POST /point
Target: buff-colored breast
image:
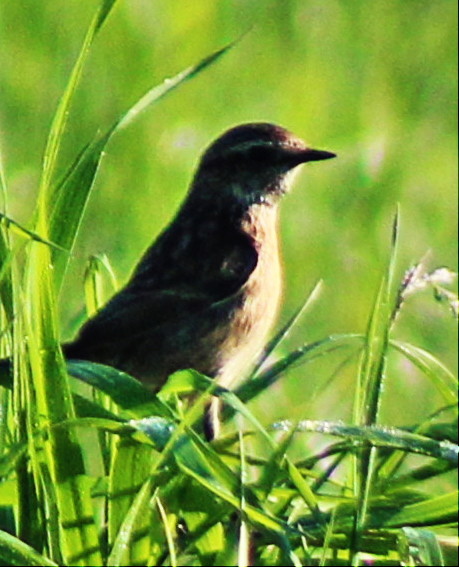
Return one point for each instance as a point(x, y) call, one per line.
point(252, 321)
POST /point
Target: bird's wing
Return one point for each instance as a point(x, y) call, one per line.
point(151, 304)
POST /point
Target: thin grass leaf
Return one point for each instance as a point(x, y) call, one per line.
point(156, 93)
point(243, 551)
point(327, 540)
point(271, 469)
point(304, 490)
point(120, 554)
point(60, 118)
point(443, 432)
point(372, 365)
point(442, 378)
point(252, 388)
point(430, 471)
point(168, 532)
point(385, 437)
point(24, 232)
point(129, 471)
point(6, 277)
point(96, 267)
point(197, 460)
point(419, 547)
point(370, 383)
point(285, 330)
point(255, 515)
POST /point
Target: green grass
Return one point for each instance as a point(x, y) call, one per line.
point(96, 470)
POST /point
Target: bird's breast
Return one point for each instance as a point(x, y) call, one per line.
point(256, 304)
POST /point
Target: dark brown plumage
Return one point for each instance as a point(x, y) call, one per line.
point(206, 293)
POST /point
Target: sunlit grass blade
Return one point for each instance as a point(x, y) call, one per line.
point(437, 510)
point(125, 535)
point(60, 451)
point(63, 460)
point(370, 383)
point(17, 228)
point(130, 468)
point(252, 388)
point(385, 437)
point(96, 268)
point(168, 530)
point(60, 118)
point(14, 552)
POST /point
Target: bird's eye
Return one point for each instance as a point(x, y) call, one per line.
point(258, 154)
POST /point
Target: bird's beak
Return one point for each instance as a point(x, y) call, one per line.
point(315, 155)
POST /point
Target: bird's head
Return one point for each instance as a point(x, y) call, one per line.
point(250, 163)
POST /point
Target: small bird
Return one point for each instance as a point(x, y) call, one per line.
point(206, 293)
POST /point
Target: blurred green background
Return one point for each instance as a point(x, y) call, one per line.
point(375, 81)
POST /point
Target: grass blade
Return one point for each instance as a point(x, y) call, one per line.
point(60, 117)
point(13, 552)
point(442, 378)
point(285, 330)
point(385, 437)
point(419, 547)
point(370, 383)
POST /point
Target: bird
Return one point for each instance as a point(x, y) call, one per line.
point(206, 293)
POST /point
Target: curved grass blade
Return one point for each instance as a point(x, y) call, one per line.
point(442, 377)
point(71, 194)
point(386, 437)
point(155, 94)
point(97, 268)
point(13, 552)
point(252, 388)
point(127, 392)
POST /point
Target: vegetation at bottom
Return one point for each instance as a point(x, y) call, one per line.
point(97, 470)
